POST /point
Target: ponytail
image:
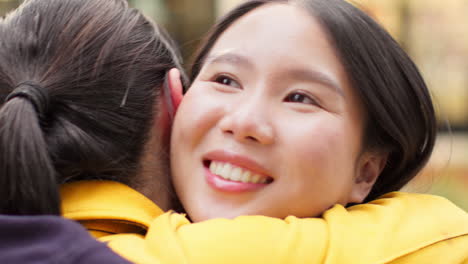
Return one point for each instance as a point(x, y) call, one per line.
point(103, 65)
point(28, 184)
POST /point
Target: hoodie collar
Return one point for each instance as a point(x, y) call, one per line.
point(108, 206)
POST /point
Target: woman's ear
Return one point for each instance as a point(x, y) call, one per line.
point(168, 103)
point(172, 93)
point(175, 87)
point(370, 165)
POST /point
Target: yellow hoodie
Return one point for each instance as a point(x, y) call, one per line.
point(397, 228)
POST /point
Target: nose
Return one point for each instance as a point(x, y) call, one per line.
point(248, 122)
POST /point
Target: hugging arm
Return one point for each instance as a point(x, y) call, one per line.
point(398, 228)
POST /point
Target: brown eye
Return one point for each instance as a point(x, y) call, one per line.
point(225, 80)
point(299, 98)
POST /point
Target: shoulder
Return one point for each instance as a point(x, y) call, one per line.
point(50, 239)
point(399, 226)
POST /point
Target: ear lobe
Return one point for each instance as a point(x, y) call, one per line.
point(175, 87)
point(370, 167)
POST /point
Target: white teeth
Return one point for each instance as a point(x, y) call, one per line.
point(213, 166)
point(226, 170)
point(246, 176)
point(234, 173)
point(256, 178)
point(219, 168)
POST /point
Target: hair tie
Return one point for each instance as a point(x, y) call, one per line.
point(33, 92)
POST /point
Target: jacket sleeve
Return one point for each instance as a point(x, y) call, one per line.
point(50, 239)
point(398, 228)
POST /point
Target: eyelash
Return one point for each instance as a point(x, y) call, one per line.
point(219, 79)
point(289, 98)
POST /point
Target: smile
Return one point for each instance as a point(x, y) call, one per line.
point(231, 172)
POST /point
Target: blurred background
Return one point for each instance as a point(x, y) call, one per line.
point(433, 32)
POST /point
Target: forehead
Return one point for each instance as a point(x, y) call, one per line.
point(279, 28)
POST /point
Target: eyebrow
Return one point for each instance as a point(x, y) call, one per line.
point(229, 58)
point(316, 77)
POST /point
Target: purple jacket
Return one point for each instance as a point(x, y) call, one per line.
point(46, 239)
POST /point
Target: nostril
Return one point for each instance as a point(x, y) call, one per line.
point(251, 138)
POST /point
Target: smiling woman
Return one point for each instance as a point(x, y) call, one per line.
point(280, 108)
point(297, 121)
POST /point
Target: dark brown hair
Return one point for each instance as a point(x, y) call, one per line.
point(398, 105)
point(101, 65)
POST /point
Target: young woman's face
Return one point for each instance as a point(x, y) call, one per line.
point(271, 125)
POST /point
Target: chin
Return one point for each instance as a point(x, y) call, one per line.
point(207, 215)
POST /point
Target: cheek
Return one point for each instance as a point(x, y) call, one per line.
point(197, 114)
point(322, 162)
point(316, 137)
point(320, 147)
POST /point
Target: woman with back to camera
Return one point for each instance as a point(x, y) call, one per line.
point(81, 99)
point(305, 234)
